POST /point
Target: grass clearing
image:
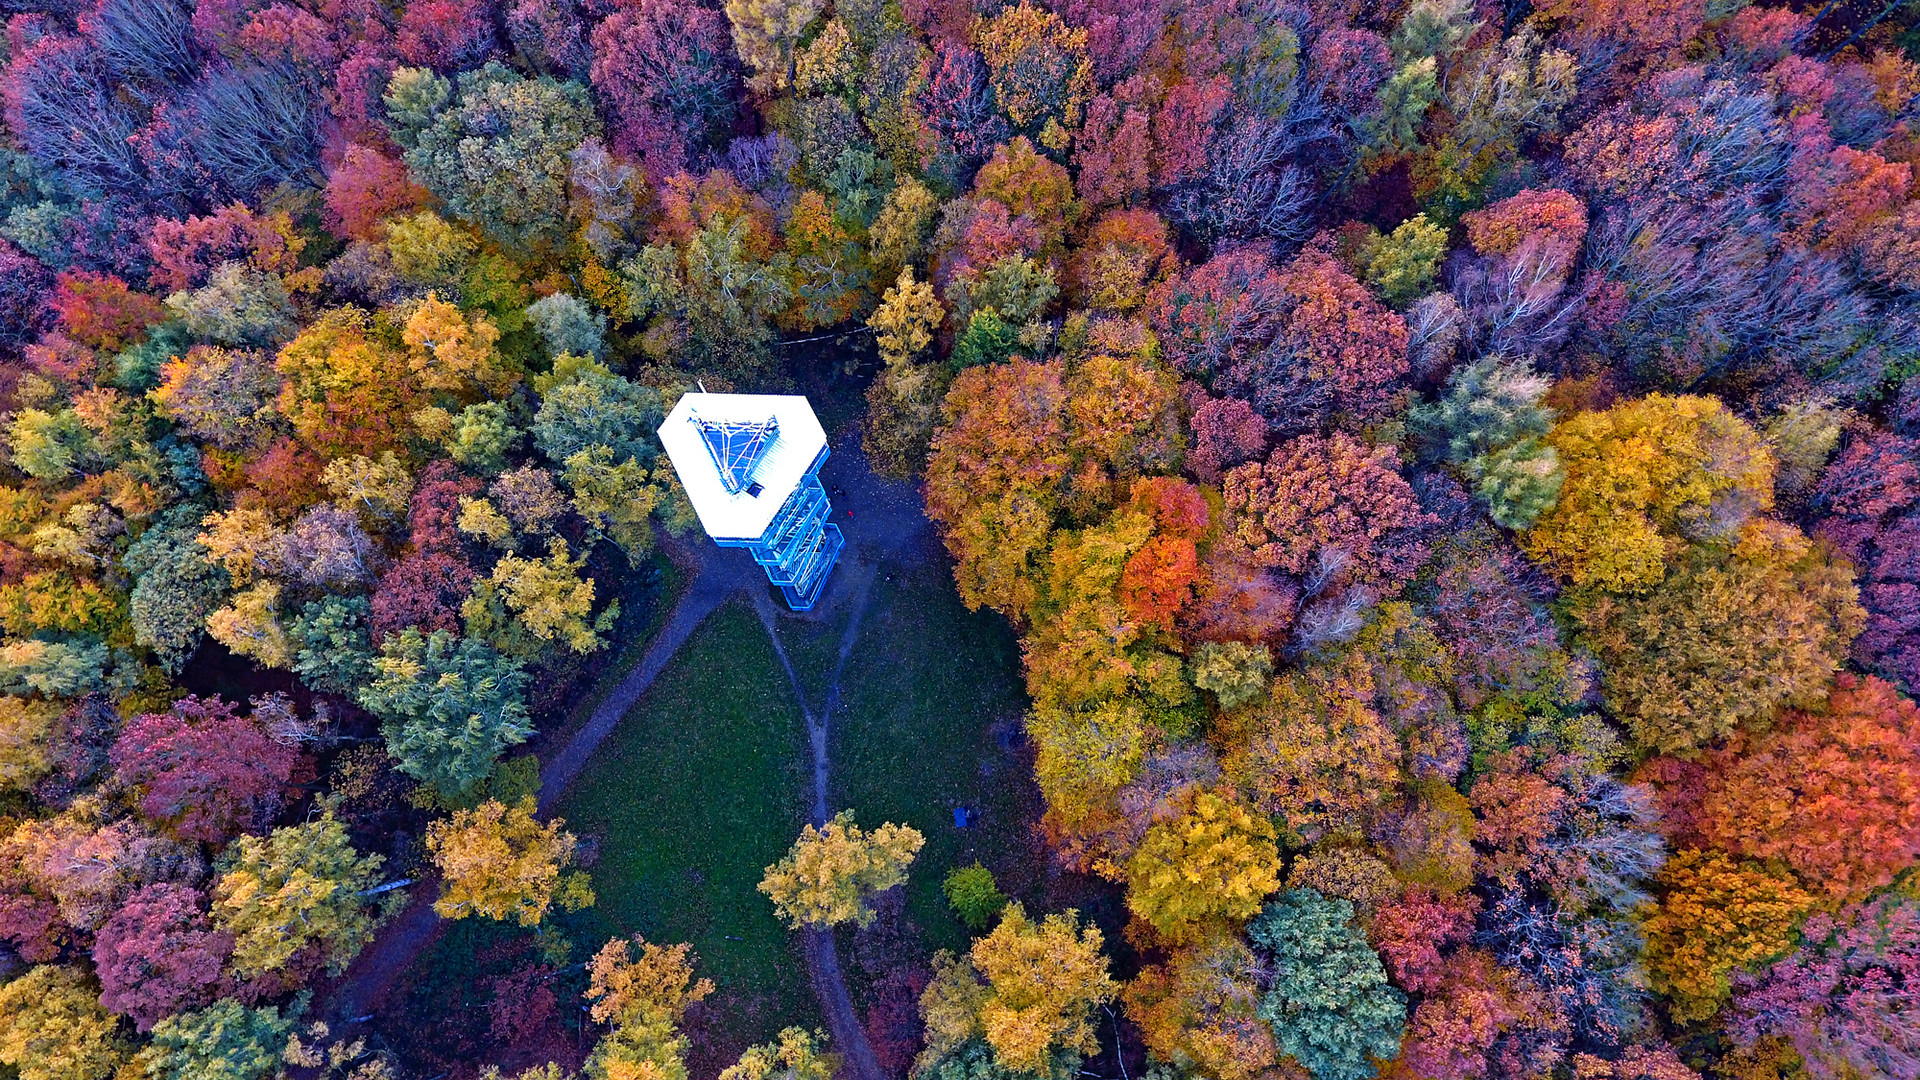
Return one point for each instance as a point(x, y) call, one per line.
point(651, 592)
point(691, 796)
point(924, 689)
point(689, 799)
point(707, 781)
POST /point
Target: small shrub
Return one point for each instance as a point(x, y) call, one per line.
point(974, 896)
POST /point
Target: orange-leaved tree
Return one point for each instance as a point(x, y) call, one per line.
point(496, 860)
point(1716, 916)
point(1204, 1004)
point(991, 481)
point(645, 998)
point(342, 389)
point(1832, 791)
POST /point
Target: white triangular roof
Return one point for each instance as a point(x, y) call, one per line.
point(725, 515)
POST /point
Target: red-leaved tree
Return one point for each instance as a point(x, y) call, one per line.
point(1834, 792)
point(1844, 1000)
point(959, 106)
point(1871, 496)
point(1455, 1025)
point(433, 511)
point(1344, 350)
point(1303, 344)
point(1159, 578)
point(1183, 127)
point(364, 188)
point(1113, 153)
point(1414, 933)
point(666, 75)
point(100, 311)
point(449, 35)
point(159, 955)
point(186, 251)
point(203, 768)
point(1226, 432)
point(1319, 503)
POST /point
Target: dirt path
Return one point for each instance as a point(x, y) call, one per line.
point(881, 519)
point(718, 579)
point(379, 966)
point(823, 956)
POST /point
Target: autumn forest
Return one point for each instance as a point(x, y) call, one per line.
point(1448, 472)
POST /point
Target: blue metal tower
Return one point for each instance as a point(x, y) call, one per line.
point(750, 464)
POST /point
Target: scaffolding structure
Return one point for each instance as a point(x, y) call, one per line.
point(737, 447)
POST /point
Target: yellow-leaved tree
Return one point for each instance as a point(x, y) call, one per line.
point(426, 248)
point(378, 488)
point(1717, 917)
point(53, 1028)
point(1644, 480)
point(250, 625)
point(1726, 639)
point(1028, 991)
point(645, 998)
point(546, 598)
point(238, 540)
point(904, 402)
point(795, 1055)
point(764, 33)
point(899, 232)
point(826, 878)
point(453, 351)
point(904, 322)
point(622, 499)
point(1084, 758)
point(300, 891)
point(1211, 865)
point(496, 860)
point(26, 736)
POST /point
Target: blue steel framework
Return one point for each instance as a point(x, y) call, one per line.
point(798, 549)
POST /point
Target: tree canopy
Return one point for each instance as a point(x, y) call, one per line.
point(1330, 1004)
point(829, 875)
point(1451, 471)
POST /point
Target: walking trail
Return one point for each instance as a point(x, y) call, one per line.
point(378, 967)
point(881, 519)
point(823, 957)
